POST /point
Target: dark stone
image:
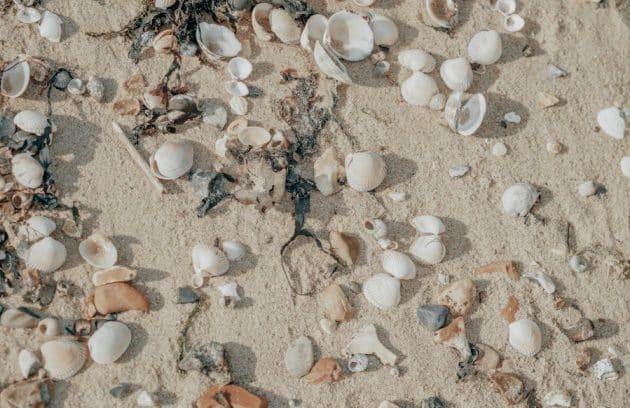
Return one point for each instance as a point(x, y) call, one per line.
point(209, 359)
point(433, 317)
point(61, 79)
point(121, 390)
point(186, 295)
point(433, 402)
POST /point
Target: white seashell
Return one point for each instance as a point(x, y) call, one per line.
point(113, 274)
point(428, 249)
point(578, 264)
point(28, 15)
point(457, 74)
point(525, 337)
point(513, 23)
point(485, 47)
point(49, 327)
point(230, 290)
point(76, 87)
point(364, 3)
point(299, 357)
point(612, 122)
point(63, 357)
point(505, 7)
point(98, 251)
point(313, 31)
point(95, 88)
point(519, 198)
point(398, 265)
point(154, 99)
point(437, 102)
point(31, 122)
point(216, 41)
point(327, 326)
point(38, 227)
point(109, 342)
point(397, 195)
point(382, 291)
point(542, 278)
point(376, 227)
point(440, 13)
point(220, 146)
point(625, 166)
point(349, 36)
point(146, 399)
point(284, 26)
point(327, 171)
point(28, 363)
point(254, 136)
point(417, 60)
point(465, 119)
point(558, 399)
point(164, 4)
point(499, 149)
point(365, 341)
point(209, 260)
point(587, 188)
point(365, 170)
point(260, 21)
point(329, 64)
point(387, 244)
point(384, 29)
point(233, 250)
point(213, 114)
point(381, 68)
point(239, 68)
point(512, 117)
point(238, 105)
point(605, 370)
point(418, 89)
point(428, 224)
point(236, 88)
point(46, 255)
point(172, 160)
point(15, 77)
point(198, 280)
point(50, 27)
point(387, 404)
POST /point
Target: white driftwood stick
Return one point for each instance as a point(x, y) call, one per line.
point(137, 158)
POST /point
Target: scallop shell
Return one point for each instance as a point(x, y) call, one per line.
point(46, 255)
point(236, 88)
point(31, 121)
point(239, 68)
point(505, 7)
point(525, 336)
point(428, 224)
point(327, 171)
point(63, 357)
point(329, 64)
point(113, 274)
point(254, 136)
point(313, 31)
point(260, 21)
point(365, 170)
point(382, 291)
point(612, 122)
point(519, 198)
point(233, 250)
point(28, 15)
point(109, 342)
point(15, 77)
point(418, 89)
point(27, 170)
point(485, 47)
point(209, 260)
point(50, 27)
point(376, 227)
point(459, 297)
point(398, 265)
point(513, 23)
point(299, 357)
point(165, 41)
point(238, 105)
point(98, 251)
point(349, 36)
point(465, 119)
point(284, 26)
point(384, 29)
point(440, 13)
point(216, 41)
point(437, 102)
point(428, 249)
point(49, 327)
point(335, 304)
point(417, 60)
point(457, 74)
point(38, 227)
point(28, 363)
point(172, 160)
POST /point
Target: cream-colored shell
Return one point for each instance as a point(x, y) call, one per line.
point(49, 327)
point(284, 26)
point(382, 291)
point(428, 224)
point(217, 41)
point(27, 170)
point(99, 251)
point(384, 29)
point(457, 74)
point(440, 13)
point(313, 31)
point(327, 170)
point(28, 362)
point(518, 199)
point(15, 77)
point(365, 170)
point(254, 136)
point(485, 47)
point(63, 357)
point(418, 89)
point(113, 274)
point(239, 68)
point(525, 337)
point(172, 160)
point(46, 255)
point(428, 249)
point(31, 121)
point(465, 118)
point(37, 227)
point(349, 36)
point(398, 265)
point(329, 64)
point(417, 60)
point(109, 342)
point(209, 260)
point(260, 21)
point(239, 105)
point(365, 341)
point(50, 27)
point(612, 122)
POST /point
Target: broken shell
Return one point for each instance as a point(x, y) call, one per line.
point(625, 166)
point(428, 224)
point(612, 122)
point(428, 249)
point(146, 399)
point(542, 278)
point(365, 341)
point(216, 41)
point(397, 196)
point(513, 23)
point(505, 7)
point(466, 118)
point(98, 251)
point(440, 13)
point(510, 387)
point(198, 280)
point(299, 357)
point(417, 60)
point(31, 122)
point(382, 291)
point(28, 15)
point(398, 265)
point(209, 260)
point(454, 336)
point(345, 247)
point(230, 396)
point(365, 170)
point(27, 170)
point(17, 319)
point(376, 227)
point(284, 26)
point(233, 250)
point(230, 290)
point(519, 199)
point(238, 105)
point(326, 370)
point(254, 136)
point(485, 47)
point(95, 88)
point(525, 336)
point(327, 171)
point(335, 304)
point(457, 74)
point(154, 99)
point(28, 363)
point(349, 36)
point(38, 227)
point(173, 159)
point(46, 255)
point(605, 370)
point(239, 68)
point(260, 21)
point(558, 399)
point(236, 88)
point(49, 327)
point(22, 200)
point(437, 102)
point(63, 357)
point(489, 359)
point(459, 297)
point(15, 77)
point(50, 27)
point(118, 297)
point(313, 31)
point(358, 363)
point(329, 64)
point(387, 244)
point(384, 29)
point(364, 3)
point(165, 41)
point(76, 87)
point(582, 331)
point(109, 342)
point(113, 274)
point(418, 89)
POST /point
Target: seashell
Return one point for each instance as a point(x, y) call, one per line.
point(17, 319)
point(238, 105)
point(454, 336)
point(428, 224)
point(605, 370)
point(31, 393)
point(397, 196)
point(557, 399)
point(612, 122)
point(364, 3)
point(428, 249)
point(578, 264)
point(113, 274)
point(28, 363)
point(154, 99)
point(489, 359)
point(335, 304)
point(50, 27)
point(22, 200)
point(236, 126)
point(95, 88)
point(546, 100)
point(382, 291)
point(233, 395)
point(313, 31)
point(358, 363)
point(329, 64)
point(513, 23)
point(38, 227)
point(299, 357)
point(15, 77)
point(254, 136)
point(459, 171)
point(365, 170)
point(173, 159)
point(109, 342)
point(236, 88)
point(326, 370)
point(509, 386)
point(345, 247)
point(465, 119)
point(417, 60)
point(418, 89)
point(98, 251)
point(28, 15)
point(485, 47)
point(387, 244)
point(49, 327)
point(284, 27)
point(398, 265)
point(216, 41)
point(625, 166)
point(440, 13)
point(46, 255)
point(31, 121)
point(230, 291)
point(63, 357)
point(118, 297)
point(437, 102)
point(519, 199)
point(387, 404)
point(327, 171)
point(327, 326)
point(376, 227)
point(499, 149)
point(147, 399)
point(165, 42)
point(239, 68)
point(233, 250)
point(541, 277)
point(260, 21)
point(384, 29)
point(76, 87)
point(457, 74)
point(209, 260)
point(213, 114)
point(433, 317)
point(581, 331)
point(525, 337)
point(182, 102)
point(365, 341)
point(164, 4)
point(459, 297)
point(349, 36)
point(27, 170)
point(198, 280)
point(505, 7)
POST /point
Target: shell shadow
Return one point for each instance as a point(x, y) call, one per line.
point(399, 169)
point(139, 338)
point(123, 245)
point(406, 33)
point(493, 124)
point(62, 388)
point(605, 328)
point(362, 74)
point(401, 232)
point(111, 89)
point(246, 263)
point(261, 70)
point(383, 336)
point(408, 290)
point(155, 298)
point(457, 244)
point(149, 274)
point(546, 196)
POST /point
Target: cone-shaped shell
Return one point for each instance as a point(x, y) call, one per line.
point(31, 121)
point(15, 77)
point(329, 64)
point(612, 122)
point(365, 170)
point(98, 251)
point(459, 297)
point(172, 160)
point(209, 260)
point(382, 290)
point(50, 27)
point(284, 26)
point(457, 74)
point(119, 297)
point(418, 89)
point(428, 249)
point(313, 31)
point(335, 304)
point(217, 41)
point(109, 342)
point(428, 224)
point(398, 265)
point(113, 274)
point(485, 47)
point(525, 336)
point(27, 170)
point(63, 357)
point(417, 60)
point(519, 198)
point(46, 255)
point(349, 36)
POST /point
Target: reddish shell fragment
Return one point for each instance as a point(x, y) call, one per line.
point(509, 268)
point(326, 370)
point(510, 309)
point(115, 298)
point(230, 396)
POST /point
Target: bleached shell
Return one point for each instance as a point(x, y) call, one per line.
point(329, 64)
point(364, 3)
point(217, 41)
point(233, 250)
point(465, 119)
point(31, 121)
point(38, 227)
point(254, 136)
point(612, 122)
point(238, 105)
point(50, 27)
point(428, 249)
point(260, 21)
point(299, 357)
point(109, 342)
point(440, 13)
point(146, 399)
point(326, 171)
point(625, 166)
point(417, 60)
point(513, 23)
point(113, 274)
point(17, 319)
point(428, 224)
point(459, 297)
point(28, 15)
point(46, 255)
point(505, 7)
point(604, 369)
point(239, 68)
point(230, 290)
point(164, 4)
point(525, 337)
point(519, 198)
point(387, 244)
point(209, 260)
point(437, 102)
point(384, 29)
point(49, 327)
point(214, 114)
point(76, 87)
point(99, 251)
point(313, 31)
point(376, 227)
point(382, 291)
point(284, 26)
point(236, 88)
point(154, 99)
point(485, 47)
point(63, 357)
point(15, 77)
point(418, 89)
point(457, 74)
point(28, 363)
point(365, 170)
point(164, 41)
point(349, 36)
point(398, 265)
point(557, 399)
point(365, 341)
point(172, 160)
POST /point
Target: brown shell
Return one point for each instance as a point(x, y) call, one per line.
point(510, 386)
point(113, 274)
point(446, 335)
point(230, 396)
point(335, 303)
point(326, 370)
point(33, 393)
point(510, 309)
point(509, 268)
point(459, 297)
point(16, 319)
point(345, 247)
point(119, 297)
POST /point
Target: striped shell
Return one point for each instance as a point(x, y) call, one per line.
point(382, 290)
point(63, 357)
point(398, 265)
point(46, 255)
point(525, 336)
point(365, 170)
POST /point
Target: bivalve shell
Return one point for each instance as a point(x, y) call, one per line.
point(365, 170)
point(76, 87)
point(46, 255)
point(428, 224)
point(99, 251)
point(335, 304)
point(239, 105)
point(113, 274)
point(625, 166)
point(440, 13)
point(513, 23)
point(63, 357)
point(31, 121)
point(27, 170)
point(260, 21)
point(236, 88)
point(28, 363)
point(16, 76)
point(172, 160)
point(118, 297)
point(38, 227)
point(612, 122)
point(384, 29)
point(349, 36)
point(428, 249)
point(299, 357)
point(417, 60)
point(327, 170)
point(457, 74)
point(284, 26)
point(519, 199)
point(329, 64)
point(17, 319)
point(437, 102)
point(313, 31)
point(28, 15)
point(50, 27)
point(418, 89)
point(485, 47)
point(505, 7)
point(525, 337)
point(109, 342)
point(254, 136)
point(49, 327)
point(398, 265)
point(209, 260)
point(465, 118)
point(233, 250)
point(459, 297)
point(239, 68)
point(382, 291)
point(217, 41)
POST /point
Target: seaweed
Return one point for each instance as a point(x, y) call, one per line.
point(216, 192)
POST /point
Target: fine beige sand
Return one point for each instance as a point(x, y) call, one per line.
point(154, 234)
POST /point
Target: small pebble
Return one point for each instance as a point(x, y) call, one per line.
point(578, 264)
point(293, 403)
point(358, 363)
point(146, 399)
point(554, 147)
point(587, 188)
point(121, 391)
point(433, 317)
point(459, 171)
point(625, 166)
point(433, 402)
point(394, 371)
point(554, 72)
point(62, 79)
point(186, 295)
point(546, 100)
point(499, 149)
point(512, 117)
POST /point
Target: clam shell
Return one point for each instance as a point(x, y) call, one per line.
point(519, 198)
point(437, 102)
point(418, 89)
point(440, 13)
point(236, 88)
point(327, 171)
point(165, 41)
point(349, 36)
point(489, 359)
point(27, 170)
point(63, 357)
point(284, 26)
point(109, 342)
point(31, 121)
point(465, 119)
point(113, 274)
point(364, 3)
point(605, 370)
point(239, 68)
point(38, 227)
point(28, 15)
point(164, 4)
point(365, 341)
point(417, 60)
point(625, 166)
point(457, 74)
point(525, 337)
point(238, 105)
point(485, 47)
point(428, 249)
point(513, 23)
point(172, 160)
point(260, 21)
point(313, 31)
point(254, 136)
point(384, 29)
point(50, 27)
point(376, 227)
point(329, 64)
point(15, 77)
point(46, 255)
point(345, 247)
point(398, 265)
point(335, 304)
point(17, 319)
point(233, 250)
point(198, 280)
point(387, 244)
point(119, 297)
point(217, 41)
point(505, 7)
point(428, 224)
point(209, 260)
point(154, 99)
point(230, 290)
point(76, 87)
point(612, 122)
point(382, 291)
point(49, 327)
point(299, 357)
point(365, 170)
point(28, 363)
point(98, 251)
point(459, 297)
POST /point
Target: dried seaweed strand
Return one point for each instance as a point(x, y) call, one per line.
point(183, 333)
